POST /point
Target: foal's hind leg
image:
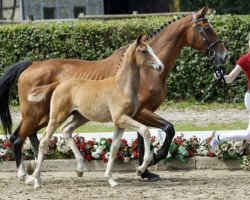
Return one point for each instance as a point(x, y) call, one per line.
point(127, 122)
point(113, 151)
point(74, 122)
point(52, 126)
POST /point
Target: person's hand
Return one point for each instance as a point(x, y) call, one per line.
point(219, 73)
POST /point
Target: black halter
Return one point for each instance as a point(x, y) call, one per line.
point(209, 52)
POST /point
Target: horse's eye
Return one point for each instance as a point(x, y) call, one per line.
point(144, 51)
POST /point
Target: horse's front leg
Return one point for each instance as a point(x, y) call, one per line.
point(149, 118)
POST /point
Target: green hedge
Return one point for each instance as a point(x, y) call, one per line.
point(98, 39)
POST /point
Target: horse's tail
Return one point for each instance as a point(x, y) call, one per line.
point(6, 82)
point(39, 93)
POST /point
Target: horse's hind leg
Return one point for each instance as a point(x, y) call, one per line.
point(18, 139)
point(35, 143)
point(113, 151)
point(71, 124)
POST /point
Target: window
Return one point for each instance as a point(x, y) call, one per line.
point(49, 13)
point(78, 10)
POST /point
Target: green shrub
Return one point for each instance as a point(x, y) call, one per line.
point(98, 39)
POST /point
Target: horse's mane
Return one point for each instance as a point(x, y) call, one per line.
point(162, 27)
point(148, 37)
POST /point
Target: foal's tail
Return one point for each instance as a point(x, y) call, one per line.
point(39, 93)
point(6, 82)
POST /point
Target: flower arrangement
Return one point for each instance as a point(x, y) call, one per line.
point(182, 148)
point(98, 149)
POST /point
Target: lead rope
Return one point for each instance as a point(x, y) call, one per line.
point(220, 75)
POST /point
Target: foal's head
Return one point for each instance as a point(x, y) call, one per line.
point(202, 37)
point(144, 55)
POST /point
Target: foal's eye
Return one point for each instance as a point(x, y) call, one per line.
point(144, 51)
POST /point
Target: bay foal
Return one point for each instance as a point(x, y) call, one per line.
point(112, 99)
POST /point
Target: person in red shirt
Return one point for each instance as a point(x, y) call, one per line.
point(242, 64)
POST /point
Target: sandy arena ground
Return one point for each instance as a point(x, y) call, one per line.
point(195, 184)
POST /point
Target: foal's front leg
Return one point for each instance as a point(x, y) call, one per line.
point(113, 151)
point(127, 122)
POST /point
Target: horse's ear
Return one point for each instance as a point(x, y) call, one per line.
point(139, 39)
point(202, 12)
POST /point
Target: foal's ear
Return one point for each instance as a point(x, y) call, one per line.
point(202, 12)
point(139, 39)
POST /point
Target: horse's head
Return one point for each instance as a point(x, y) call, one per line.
point(145, 56)
point(202, 37)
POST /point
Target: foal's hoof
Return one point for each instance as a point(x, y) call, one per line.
point(22, 177)
point(79, 174)
point(29, 179)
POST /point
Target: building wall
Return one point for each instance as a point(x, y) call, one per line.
point(61, 9)
point(7, 10)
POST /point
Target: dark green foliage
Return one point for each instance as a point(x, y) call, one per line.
point(220, 6)
point(92, 40)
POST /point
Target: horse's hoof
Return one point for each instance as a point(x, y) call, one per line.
point(79, 174)
point(30, 168)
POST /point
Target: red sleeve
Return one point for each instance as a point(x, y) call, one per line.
point(243, 61)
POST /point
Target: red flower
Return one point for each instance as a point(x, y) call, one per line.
point(135, 154)
point(88, 152)
point(190, 153)
point(82, 146)
point(6, 144)
point(91, 143)
point(103, 156)
point(88, 157)
point(210, 154)
point(109, 139)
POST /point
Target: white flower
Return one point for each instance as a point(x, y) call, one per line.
point(107, 155)
point(27, 145)
point(231, 151)
point(95, 155)
point(126, 159)
point(99, 150)
point(102, 147)
point(224, 147)
point(238, 143)
point(62, 146)
point(2, 152)
point(217, 152)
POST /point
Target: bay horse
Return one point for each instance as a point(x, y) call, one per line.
point(111, 99)
point(192, 30)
